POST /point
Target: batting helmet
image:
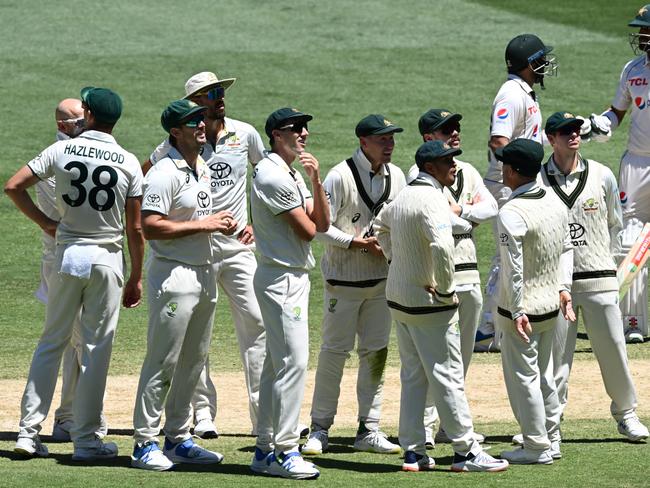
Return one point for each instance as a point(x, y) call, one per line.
point(640, 42)
point(529, 50)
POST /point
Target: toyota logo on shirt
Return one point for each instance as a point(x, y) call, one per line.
point(576, 230)
point(220, 170)
point(203, 199)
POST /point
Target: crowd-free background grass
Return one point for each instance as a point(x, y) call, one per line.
point(338, 60)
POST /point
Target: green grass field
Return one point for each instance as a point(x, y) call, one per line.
point(337, 60)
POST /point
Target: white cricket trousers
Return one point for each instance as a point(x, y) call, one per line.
point(234, 273)
point(182, 301)
point(602, 320)
point(634, 184)
point(72, 352)
point(430, 357)
point(351, 312)
point(96, 302)
point(528, 374)
point(283, 296)
point(470, 303)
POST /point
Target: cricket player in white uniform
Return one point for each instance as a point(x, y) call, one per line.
point(470, 204)
point(633, 93)
point(536, 258)
point(285, 219)
point(354, 270)
point(178, 221)
point(69, 115)
point(230, 146)
point(590, 193)
point(515, 114)
point(96, 180)
point(414, 232)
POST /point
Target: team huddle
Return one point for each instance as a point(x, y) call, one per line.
point(397, 248)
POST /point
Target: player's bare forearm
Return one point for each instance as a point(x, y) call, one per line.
point(134, 237)
point(157, 227)
point(16, 189)
point(496, 142)
point(320, 214)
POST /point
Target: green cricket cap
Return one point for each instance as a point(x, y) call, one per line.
point(560, 120)
point(178, 112)
point(104, 104)
point(436, 118)
point(375, 124)
point(284, 117)
point(525, 156)
point(431, 151)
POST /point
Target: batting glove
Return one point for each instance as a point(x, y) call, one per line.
point(601, 128)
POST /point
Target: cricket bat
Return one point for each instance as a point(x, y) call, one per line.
point(633, 262)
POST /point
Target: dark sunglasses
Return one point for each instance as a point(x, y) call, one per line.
point(194, 121)
point(215, 93)
point(567, 131)
point(448, 129)
point(297, 128)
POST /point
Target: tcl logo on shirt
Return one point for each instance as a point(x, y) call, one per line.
point(638, 81)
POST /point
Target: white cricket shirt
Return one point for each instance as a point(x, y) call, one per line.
point(94, 177)
point(515, 115)
point(277, 188)
point(634, 91)
point(172, 188)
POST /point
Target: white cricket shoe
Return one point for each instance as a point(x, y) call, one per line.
point(417, 462)
point(375, 441)
point(633, 336)
point(518, 439)
point(188, 452)
point(554, 450)
point(633, 429)
point(443, 438)
point(96, 452)
point(317, 442)
point(522, 455)
point(61, 430)
point(291, 465)
point(149, 456)
point(479, 462)
point(205, 429)
point(30, 447)
point(260, 462)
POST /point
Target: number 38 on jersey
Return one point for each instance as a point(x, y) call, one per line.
point(94, 187)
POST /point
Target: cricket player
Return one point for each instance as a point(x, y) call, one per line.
point(470, 204)
point(286, 217)
point(634, 174)
point(354, 270)
point(229, 148)
point(96, 181)
point(536, 256)
point(178, 222)
point(515, 114)
point(69, 116)
point(590, 193)
point(414, 232)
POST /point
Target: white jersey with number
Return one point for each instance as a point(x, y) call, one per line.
point(515, 115)
point(239, 145)
point(173, 189)
point(634, 91)
point(277, 188)
point(94, 177)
